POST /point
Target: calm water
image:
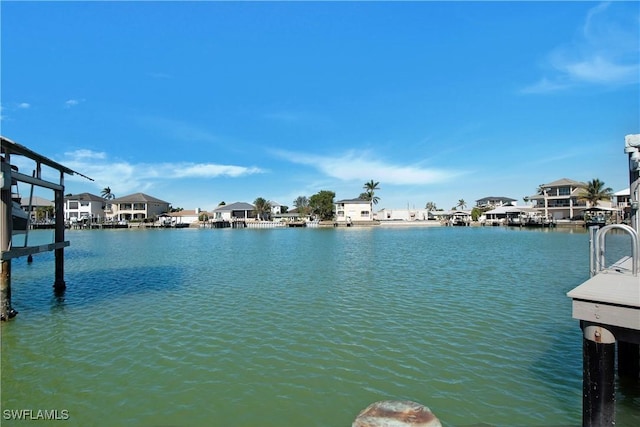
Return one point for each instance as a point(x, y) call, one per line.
point(295, 327)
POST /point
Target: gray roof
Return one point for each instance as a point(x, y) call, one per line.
point(136, 198)
point(502, 199)
point(85, 196)
point(237, 206)
point(36, 201)
point(564, 182)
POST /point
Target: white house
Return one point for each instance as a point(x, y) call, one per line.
point(234, 211)
point(136, 206)
point(276, 208)
point(353, 210)
point(494, 202)
point(84, 207)
point(622, 201)
point(186, 216)
point(403, 215)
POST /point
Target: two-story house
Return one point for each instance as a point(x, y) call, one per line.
point(138, 206)
point(84, 207)
point(560, 199)
point(622, 201)
point(349, 211)
point(492, 202)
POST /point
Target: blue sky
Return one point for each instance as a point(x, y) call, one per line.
point(201, 102)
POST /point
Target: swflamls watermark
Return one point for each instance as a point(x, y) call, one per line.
point(36, 414)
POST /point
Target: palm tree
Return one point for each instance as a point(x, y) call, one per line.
point(595, 191)
point(430, 206)
point(461, 204)
point(107, 194)
point(262, 208)
point(369, 194)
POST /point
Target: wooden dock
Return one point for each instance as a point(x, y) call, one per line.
point(608, 308)
point(8, 248)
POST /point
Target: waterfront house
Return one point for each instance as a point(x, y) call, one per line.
point(404, 215)
point(494, 202)
point(138, 206)
point(84, 207)
point(185, 216)
point(560, 199)
point(234, 211)
point(36, 203)
point(353, 210)
point(622, 201)
point(276, 208)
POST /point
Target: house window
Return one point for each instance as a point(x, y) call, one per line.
point(73, 205)
point(340, 213)
point(84, 203)
point(564, 191)
point(364, 213)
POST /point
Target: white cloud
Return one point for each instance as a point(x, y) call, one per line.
point(210, 170)
point(596, 68)
point(355, 166)
point(71, 103)
point(124, 177)
point(605, 52)
point(545, 85)
point(24, 105)
point(85, 154)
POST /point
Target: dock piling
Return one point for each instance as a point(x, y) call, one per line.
point(6, 229)
point(59, 283)
point(598, 398)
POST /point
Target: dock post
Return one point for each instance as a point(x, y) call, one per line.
point(598, 376)
point(6, 229)
point(59, 285)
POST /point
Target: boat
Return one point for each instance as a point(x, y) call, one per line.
point(597, 216)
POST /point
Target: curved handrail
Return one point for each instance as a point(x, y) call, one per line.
point(599, 248)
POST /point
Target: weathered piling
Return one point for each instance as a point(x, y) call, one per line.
point(598, 386)
point(6, 228)
point(59, 283)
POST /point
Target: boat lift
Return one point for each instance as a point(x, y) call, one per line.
point(8, 176)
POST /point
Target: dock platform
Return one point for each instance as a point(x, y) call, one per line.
point(608, 308)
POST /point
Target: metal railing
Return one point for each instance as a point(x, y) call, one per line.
point(597, 247)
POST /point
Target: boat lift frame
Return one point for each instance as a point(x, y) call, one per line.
point(8, 251)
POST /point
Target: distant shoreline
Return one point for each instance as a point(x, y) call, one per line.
point(410, 224)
